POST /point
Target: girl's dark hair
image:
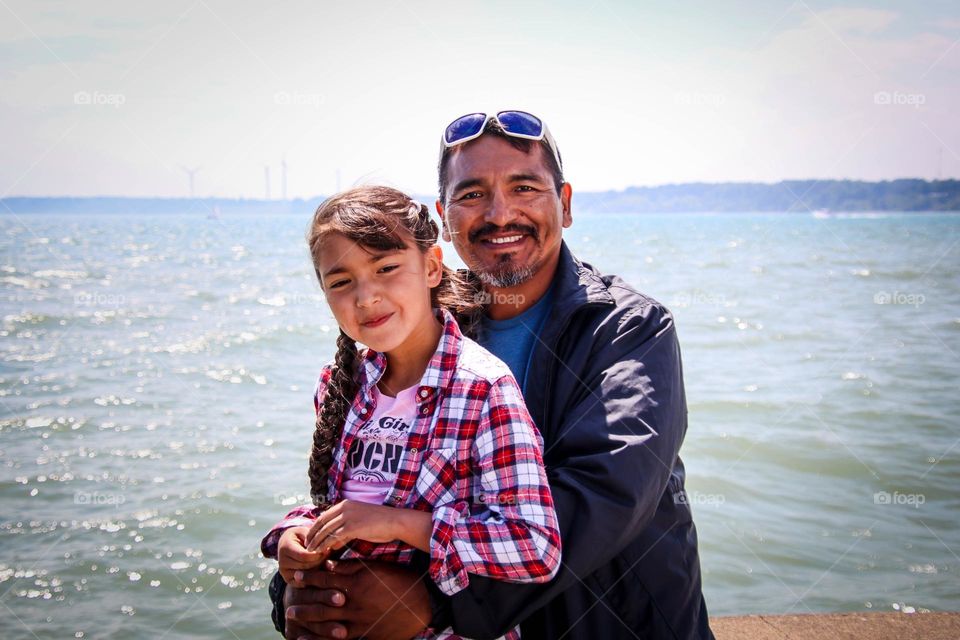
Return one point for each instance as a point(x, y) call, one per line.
point(380, 218)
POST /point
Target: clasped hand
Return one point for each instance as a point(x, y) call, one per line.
point(308, 547)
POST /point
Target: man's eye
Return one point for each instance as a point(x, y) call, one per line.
point(525, 187)
point(471, 195)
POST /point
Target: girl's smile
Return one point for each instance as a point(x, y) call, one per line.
point(376, 322)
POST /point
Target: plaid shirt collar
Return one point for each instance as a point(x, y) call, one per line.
point(439, 371)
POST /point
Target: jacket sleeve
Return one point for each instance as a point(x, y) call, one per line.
point(610, 449)
point(510, 532)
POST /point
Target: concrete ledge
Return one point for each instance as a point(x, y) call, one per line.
point(840, 626)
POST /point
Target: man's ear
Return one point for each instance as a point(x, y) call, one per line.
point(443, 221)
point(434, 265)
point(566, 194)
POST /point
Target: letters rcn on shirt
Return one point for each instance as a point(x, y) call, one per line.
point(374, 456)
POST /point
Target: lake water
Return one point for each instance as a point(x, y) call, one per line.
point(155, 410)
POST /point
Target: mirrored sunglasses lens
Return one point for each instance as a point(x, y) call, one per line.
point(521, 123)
point(464, 127)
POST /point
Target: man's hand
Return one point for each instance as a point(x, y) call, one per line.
point(311, 602)
point(354, 598)
point(293, 555)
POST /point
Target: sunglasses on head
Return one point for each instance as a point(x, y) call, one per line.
point(518, 124)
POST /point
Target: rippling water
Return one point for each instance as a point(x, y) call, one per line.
point(155, 393)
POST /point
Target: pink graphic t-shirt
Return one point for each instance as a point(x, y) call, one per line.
point(374, 456)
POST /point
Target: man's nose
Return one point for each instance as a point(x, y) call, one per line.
point(500, 212)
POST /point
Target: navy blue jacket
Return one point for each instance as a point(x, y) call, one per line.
point(605, 388)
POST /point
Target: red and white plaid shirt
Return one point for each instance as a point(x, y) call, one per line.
point(473, 459)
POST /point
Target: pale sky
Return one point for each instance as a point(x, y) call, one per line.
point(113, 98)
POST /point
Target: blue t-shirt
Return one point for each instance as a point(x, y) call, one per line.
point(512, 340)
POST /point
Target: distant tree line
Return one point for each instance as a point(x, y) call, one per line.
point(792, 196)
point(789, 196)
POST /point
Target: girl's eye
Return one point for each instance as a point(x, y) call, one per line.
point(337, 284)
point(389, 268)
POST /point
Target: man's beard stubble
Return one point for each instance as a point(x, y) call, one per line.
point(505, 274)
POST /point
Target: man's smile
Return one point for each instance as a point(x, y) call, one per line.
point(505, 240)
point(507, 237)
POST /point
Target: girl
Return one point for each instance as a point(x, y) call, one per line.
point(422, 439)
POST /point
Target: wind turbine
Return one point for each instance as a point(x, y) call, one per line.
point(190, 173)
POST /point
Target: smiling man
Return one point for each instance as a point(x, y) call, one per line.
point(600, 368)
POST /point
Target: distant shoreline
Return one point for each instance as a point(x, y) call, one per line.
point(792, 196)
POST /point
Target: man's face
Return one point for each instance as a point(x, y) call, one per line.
point(503, 213)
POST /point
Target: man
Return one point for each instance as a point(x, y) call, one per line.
point(601, 374)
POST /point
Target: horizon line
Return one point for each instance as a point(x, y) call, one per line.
point(637, 186)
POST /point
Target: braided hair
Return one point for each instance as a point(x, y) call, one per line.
point(380, 218)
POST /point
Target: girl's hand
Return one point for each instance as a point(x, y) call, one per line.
point(352, 520)
point(293, 554)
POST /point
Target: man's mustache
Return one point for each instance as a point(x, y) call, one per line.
point(492, 229)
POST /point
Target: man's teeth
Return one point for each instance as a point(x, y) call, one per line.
point(505, 240)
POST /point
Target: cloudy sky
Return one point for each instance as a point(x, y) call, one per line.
point(111, 98)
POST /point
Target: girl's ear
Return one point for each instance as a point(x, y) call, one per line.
point(433, 261)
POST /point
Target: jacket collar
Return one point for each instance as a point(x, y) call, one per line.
point(577, 284)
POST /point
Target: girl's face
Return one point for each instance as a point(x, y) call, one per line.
point(379, 298)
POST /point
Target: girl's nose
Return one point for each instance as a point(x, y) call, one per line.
point(367, 295)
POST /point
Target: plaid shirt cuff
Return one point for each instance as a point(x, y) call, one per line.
point(299, 517)
point(446, 567)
